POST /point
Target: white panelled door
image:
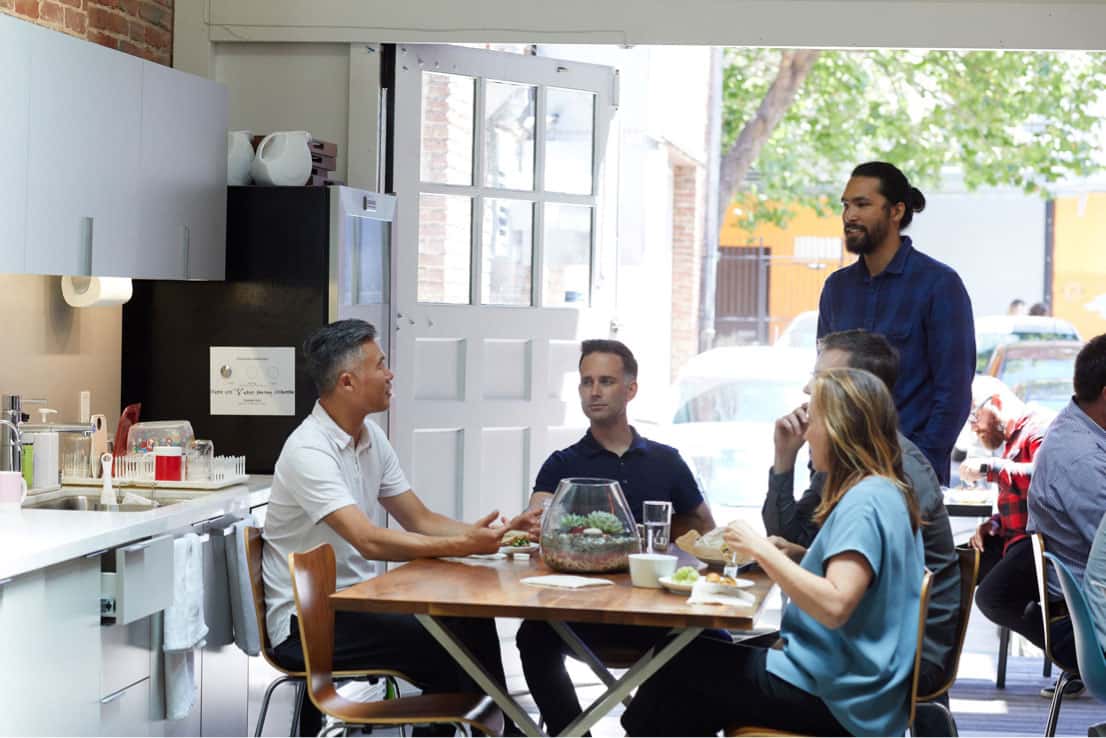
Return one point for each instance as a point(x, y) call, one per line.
point(502, 256)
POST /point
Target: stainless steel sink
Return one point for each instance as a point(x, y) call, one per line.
point(85, 502)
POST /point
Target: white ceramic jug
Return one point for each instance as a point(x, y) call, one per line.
point(239, 157)
point(283, 158)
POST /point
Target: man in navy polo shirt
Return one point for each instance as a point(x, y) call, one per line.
point(646, 470)
point(917, 302)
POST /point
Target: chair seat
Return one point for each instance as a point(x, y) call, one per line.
point(472, 709)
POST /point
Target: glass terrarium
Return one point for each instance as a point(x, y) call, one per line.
point(588, 527)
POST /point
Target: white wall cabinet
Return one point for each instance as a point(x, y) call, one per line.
point(121, 166)
point(15, 76)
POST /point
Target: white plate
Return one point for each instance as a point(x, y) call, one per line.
point(729, 589)
point(676, 587)
point(531, 549)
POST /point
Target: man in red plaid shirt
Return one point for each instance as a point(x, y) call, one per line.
point(1001, 420)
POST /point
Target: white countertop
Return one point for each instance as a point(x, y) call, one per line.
point(31, 539)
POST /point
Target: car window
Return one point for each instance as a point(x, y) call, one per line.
point(1020, 370)
point(985, 343)
point(747, 401)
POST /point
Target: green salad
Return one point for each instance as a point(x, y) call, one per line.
point(686, 575)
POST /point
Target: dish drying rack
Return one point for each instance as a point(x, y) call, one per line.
point(137, 470)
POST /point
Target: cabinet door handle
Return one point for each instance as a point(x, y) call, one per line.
point(186, 250)
point(115, 695)
point(5, 581)
point(86, 246)
point(95, 554)
point(135, 547)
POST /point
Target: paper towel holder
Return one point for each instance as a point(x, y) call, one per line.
point(78, 286)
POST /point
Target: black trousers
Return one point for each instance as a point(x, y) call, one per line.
point(1007, 595)
point(710, 685)
point(385, 641)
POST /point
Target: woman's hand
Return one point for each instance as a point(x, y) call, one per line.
point(742, 539)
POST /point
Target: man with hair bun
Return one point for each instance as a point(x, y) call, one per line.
point(917, 302)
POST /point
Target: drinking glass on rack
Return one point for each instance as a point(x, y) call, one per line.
point(657, 518)
point(730, 569)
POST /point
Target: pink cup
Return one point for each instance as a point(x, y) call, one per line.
point(13, 490)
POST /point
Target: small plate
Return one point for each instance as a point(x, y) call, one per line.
point(729, 589)
point(509, 550)
point(676, 587)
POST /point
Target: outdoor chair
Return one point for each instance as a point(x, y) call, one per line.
point(313, 581)
point(1088, 649)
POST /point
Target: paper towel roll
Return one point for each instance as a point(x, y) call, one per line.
point(95, 291)
point(46, 460)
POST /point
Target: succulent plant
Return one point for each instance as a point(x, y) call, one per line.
point(604, 521)
point(572, 520)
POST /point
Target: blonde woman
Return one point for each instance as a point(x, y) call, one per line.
point(848, 634)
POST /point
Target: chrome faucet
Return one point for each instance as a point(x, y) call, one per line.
point(11, 451)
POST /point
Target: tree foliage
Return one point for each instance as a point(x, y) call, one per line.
point(1023, 119)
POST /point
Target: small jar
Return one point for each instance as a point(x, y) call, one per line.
point(168, 463)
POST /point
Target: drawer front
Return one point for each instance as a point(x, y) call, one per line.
point(142, 582)
point(125, 655)
point(126, 711)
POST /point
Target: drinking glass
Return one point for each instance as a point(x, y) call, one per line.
point(657, 517)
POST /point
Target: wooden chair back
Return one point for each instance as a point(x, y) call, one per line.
point(923, 611)
point(1047, 618)
point(313, 581)
point(254, 546)
point(969, 575)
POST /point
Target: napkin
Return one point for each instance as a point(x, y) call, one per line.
point(566, 581)
point(702, 593)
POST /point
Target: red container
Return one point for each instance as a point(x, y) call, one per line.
point(168, 463)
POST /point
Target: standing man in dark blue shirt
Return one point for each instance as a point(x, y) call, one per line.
point(917, 302)
point(646, 470)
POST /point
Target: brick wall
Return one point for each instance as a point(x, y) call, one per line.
point(688, 183)
point(140, 27)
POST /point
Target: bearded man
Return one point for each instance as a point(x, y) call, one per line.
point(916, 302)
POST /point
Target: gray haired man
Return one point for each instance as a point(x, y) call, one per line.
point(334, 471)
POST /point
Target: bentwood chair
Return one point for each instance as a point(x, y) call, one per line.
point(969, 573)
point(295, 678)
point(923, 608)
point(313, 581)
point(1088, 649)
point(1067, 671)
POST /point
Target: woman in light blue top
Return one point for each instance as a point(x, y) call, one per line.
point(845, 657)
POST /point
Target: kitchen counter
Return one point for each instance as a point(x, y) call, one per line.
point(32, 539)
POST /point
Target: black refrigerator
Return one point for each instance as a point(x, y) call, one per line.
point(296, 259)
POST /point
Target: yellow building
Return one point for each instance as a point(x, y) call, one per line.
point(1079, 262)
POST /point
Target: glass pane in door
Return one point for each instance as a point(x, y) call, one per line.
point(509, 135)
point(447, 128)
point(445, 248)
point(566, 260)
point(508, 240)
point(569, 133)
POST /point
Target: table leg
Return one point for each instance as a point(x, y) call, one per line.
point(585, 654)
point(646, 666)
point(472, 667)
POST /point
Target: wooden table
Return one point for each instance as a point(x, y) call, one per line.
point(484, 588)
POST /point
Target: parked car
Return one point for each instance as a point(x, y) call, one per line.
point(801, 332)
point(724, 406)
point(993, 330)
point(1026, 363)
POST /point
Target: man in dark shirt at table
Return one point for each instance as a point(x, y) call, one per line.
point(793, 525)
point(646, 470)
point(917, 302)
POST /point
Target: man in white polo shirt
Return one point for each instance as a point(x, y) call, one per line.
point(332, 473)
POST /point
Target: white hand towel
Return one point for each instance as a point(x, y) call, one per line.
point(246, 636)
point(566, 581)
point(180, 683)
point(184, 619)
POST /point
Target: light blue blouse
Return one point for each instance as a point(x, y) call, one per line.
point(862, 670)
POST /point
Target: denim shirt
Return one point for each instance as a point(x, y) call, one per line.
point(921, 307)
